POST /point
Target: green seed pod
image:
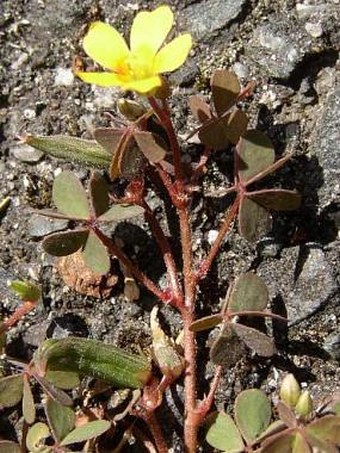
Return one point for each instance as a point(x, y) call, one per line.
point(290, 390)
point(304, 406)
point(96, 359)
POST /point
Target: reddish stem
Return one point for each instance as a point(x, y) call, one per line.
point(228, 220)
point(19, 313)
point(169, 261)
point(205, 405)
point(139, 275)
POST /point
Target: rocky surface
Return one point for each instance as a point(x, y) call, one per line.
point(290, 49)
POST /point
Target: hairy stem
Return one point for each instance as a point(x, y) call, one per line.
point(225, 227)
point(169, 261)
point(135, 272)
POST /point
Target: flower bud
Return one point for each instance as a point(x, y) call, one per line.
point(304, 406)
point(132, 110)
point(290, 390)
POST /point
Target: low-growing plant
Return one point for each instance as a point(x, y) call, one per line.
point(145, 153)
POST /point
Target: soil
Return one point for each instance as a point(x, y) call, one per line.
point(38, 40)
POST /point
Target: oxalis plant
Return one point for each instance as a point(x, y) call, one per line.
point(145, 153)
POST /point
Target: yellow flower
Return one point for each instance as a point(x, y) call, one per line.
point(137, 68)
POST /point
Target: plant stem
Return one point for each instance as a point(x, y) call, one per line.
point(139, 275)
point(164, 245)
point(164, 116)
point(19, 313)
point(229, 218)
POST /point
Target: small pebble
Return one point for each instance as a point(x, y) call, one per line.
point(315, 30)
point(63, 77)
point(26, 153)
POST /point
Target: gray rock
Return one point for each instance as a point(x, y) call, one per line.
point(325, 146)
point(26, 153)
point(39, 226)
point(276, 47)
point(332, 345)
point(315, 284)
point(204, 19)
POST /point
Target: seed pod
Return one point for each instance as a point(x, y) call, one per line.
point(290, 390)
point(304, 406)
point(96, 359)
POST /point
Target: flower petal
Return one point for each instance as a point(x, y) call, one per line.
point(105, 45)
point(149, 29)
point(143, 86)
point(103, 79)
point(173, 55)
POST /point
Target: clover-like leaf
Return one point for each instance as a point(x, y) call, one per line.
point(223, 434)
point(27, 291)
point(119, 213)
point(207, 322)
point(95, 255)
point(255, 154)
point(28, 407)
point(11, 390)
point(199, 108)
point(326, 429)
point(153, 147)
point(276, 199)
point(255, 340)
point(35, 440)
point(6, 446)
point(227, 349)
point(253, 220)
point(99, 193)
point(225, 90)
point(252, 413)
point(249, 292)
point(60, 419)
point(71, 148)
point(69, 196)
point(55, 393)
point(218, 133)
point(282, 443)
point(65, 242)
point(65, 380)
point(85, 432)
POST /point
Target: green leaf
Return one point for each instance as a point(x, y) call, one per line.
point(227, 349)
point(249, 293)
point(69, 196)
point(55, 393)
point(95, 255)
point(276, 199)
point(66, 380)
point(300, 444)
point(208, 322)
point(153, 148)
point(35, 440)
point(11, 390)
point(252, 413)
point(256, 153)
point(99, 193)
point(27, 291)
point(253, 220)
point(60, 419)
point(225, 90)
point(28, 407)
point(255, 340)
point(222, 433)
point(65, 242)
point(237, 126)
point(72, 149)
point(7, 446)
point(85, 432)
point(96, 359)
point(119, 213)
point(326, 429)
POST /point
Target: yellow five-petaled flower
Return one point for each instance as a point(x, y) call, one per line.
point(137, 68)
